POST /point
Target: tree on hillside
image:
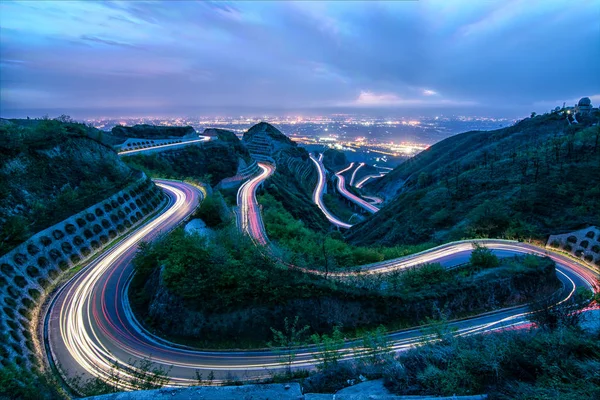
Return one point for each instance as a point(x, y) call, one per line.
point(285, 342)
point(328, 348)
point(376, 346)
point(488, 219)
point(483, 257)
point(550, 317)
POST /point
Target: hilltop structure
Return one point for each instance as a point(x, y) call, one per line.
point(584, 106)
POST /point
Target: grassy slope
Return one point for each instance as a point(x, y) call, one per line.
point(529, 180)
point(49, 171)
point(145, 131)
point(292, 185)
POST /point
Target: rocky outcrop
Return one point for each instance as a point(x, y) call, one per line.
point(287, 391)
point(284, 391)
point(264, 141)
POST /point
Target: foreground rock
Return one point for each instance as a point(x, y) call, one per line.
point(246, 392)
point(286, 391)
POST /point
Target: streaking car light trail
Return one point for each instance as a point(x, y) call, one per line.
point(364, 180)
point(354, 173)
point(318, 195)
point(249, 209)
point(341, 186)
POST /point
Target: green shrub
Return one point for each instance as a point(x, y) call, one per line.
point(483, 257)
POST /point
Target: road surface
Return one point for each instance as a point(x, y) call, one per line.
point(90, 325)
point(373, 199)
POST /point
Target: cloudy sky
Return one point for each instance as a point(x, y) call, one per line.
point(135, 58)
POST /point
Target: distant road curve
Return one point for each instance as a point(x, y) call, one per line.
point(164, 146)
point(373, 199)
point(354, 173)
point(364, 179)
point(318, 194)
point(341, 185)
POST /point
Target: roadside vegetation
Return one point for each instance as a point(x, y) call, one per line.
point(321, 250)
point(557, 360)
point(222, 291)
point(335, 203)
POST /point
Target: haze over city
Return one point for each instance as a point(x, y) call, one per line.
point(396, 58)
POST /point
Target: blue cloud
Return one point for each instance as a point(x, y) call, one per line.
point(499, 57)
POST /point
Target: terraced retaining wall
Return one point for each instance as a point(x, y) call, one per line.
point(584, 244)
point(28, 272)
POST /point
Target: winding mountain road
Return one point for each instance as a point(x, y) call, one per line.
point(341, 186)
point(90, 326)
point(251, 221)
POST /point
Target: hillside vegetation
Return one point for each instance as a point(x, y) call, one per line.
point(335, 160)
point(49, 171)
point(210, 162)
point(537, 177)
point(554, 362)
point(230, 137)
point(145, 131)
point(326, 251)
point(223, 292)
point(292, 185)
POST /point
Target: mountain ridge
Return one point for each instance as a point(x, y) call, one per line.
point(492, 184)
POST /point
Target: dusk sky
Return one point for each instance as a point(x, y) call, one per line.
point(136, 58)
